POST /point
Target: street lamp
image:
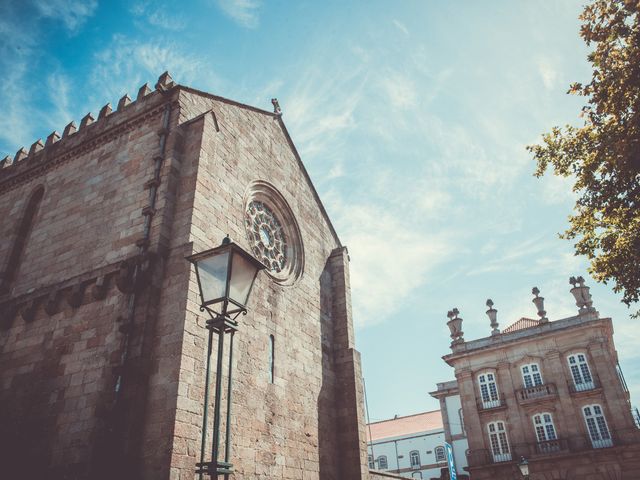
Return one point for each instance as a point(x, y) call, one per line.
point(524, 468)
point(225, 277)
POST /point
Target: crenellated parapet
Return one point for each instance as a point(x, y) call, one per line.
point(91, 130)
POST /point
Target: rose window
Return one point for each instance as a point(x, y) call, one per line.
point(267, 237)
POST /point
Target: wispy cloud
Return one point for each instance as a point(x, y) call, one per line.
point(557, 190)
point(400, 89)
point(401, 26)
point(383, 276)
point(547, 72)
point(16, 50)
point(59, 87)
point(127, 62)
point(538, 255)
point(157, 16)
point(15, 126)
point(245, 13)
point(72, 13)
point(321, 109)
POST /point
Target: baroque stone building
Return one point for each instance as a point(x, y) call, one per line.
point(103, 344)
point(548, 392)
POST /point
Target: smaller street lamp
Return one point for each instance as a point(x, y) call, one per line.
point(225, 276)
point(524, 468)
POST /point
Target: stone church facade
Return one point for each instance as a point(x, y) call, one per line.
point(102, 343)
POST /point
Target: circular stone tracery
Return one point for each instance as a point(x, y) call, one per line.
point(266, 232)
point(272, 232)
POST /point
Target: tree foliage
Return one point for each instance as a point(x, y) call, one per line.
point(603, 155)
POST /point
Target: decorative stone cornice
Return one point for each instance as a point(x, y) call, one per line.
point(74, 290)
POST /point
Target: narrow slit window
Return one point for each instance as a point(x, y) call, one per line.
point(272, 358)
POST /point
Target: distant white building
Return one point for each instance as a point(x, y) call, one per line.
point(453, 423)
point(411, 446)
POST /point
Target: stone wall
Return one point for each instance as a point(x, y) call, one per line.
point(63, 319)
point(289, 428)
point(103, 344)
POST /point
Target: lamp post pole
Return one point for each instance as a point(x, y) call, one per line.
point(220, 325)
point(225, 277)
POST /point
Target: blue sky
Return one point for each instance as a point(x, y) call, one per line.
point(412, 118)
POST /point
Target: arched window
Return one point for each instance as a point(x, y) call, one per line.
point(382, 462)
point(488, 390)
point(440, 454)
point(545, 432)
point(416, 475)
point(414, 457)
point(24, 229)
point(597, 426)
point(372, 464)
point(580, 372)
point(272, 358)
point(499, 442)
point(531, 375)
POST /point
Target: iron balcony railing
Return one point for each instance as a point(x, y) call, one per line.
point(537, 392)
point(491, 404)
point(594, 384)
point(574, 444)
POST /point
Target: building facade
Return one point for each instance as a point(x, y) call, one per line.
point(103, 345)
point(549, 392)
point(411, 446)
point(453, 423)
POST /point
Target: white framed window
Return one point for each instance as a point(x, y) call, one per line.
point(531, 375)
point(372, 464)
point(499, 442)
point(414, 457)
point(580, 372)
point(545, 429)
point(440, 454)
point(382, 462)
point(597, 426)
point(488, 390)
point(416, 475)
point(545, 433)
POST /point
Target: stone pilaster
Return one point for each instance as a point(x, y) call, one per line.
point(351, 436)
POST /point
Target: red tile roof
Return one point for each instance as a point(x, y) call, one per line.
point(521, 325)
point(396, 427)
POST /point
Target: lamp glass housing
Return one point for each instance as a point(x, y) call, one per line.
point(212, 272)
point(524, 467)
point(225, 277)
point(243, 273)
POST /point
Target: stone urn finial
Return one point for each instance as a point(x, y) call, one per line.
point(455, 326)
point(492, 313)
point(582, 296)
point(539, 303)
